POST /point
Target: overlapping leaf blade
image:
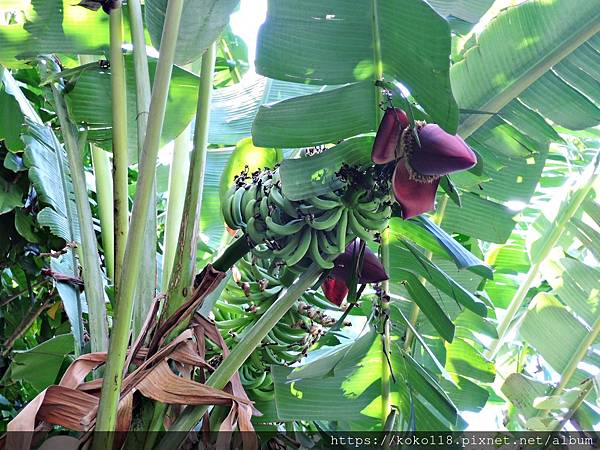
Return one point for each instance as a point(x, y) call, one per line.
point(335, 43)
point(201, 23)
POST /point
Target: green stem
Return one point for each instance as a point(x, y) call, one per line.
point(178, 172)
point(232, 253)
point(146, 286)
point(230, 365)
point(107, 410)
point(104, 197)
point(414, 312)
point(142, 74)
point(185, 259)
point(558, 228)
point(386, 396)
point(119, 138)
point(90, 262)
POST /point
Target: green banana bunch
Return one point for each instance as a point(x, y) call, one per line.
point(316, 229)
point(253, 287)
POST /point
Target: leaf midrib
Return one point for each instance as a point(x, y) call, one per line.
point(513, 90)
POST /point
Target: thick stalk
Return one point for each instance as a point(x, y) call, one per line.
point(104, 197)
point(146, 287)
point(386, 399)
point(414, 312)
point(119, 138)
point(178, 176)
point(558, 228)
point(183, 213)
point(88, 251)
point(107, 411)
point(230, 365)
point(185, 259)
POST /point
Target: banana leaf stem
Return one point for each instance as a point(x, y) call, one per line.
point(185, 258)
point(88, 251)
point(107, 410)
point(104, 197)
point(251, 340)
point(119, 138)
point(178, 172)
point(146, 286)
point(180, 269)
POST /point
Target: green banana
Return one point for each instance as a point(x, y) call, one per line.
point(236, 207)
point(264, 207)
point(303, 244)
point(369, 207)
point(263, 396)
point(321, 203)
point(316, 255)
point(226, 209)
point(368, 222)
point(342, 228)
point(249, 210)
point(253, 232)
point(288, 248)
point(280, 201)
point(253, 383)
point(288, 229)
point(324, 244)
point(328, 219)
point(357, 228)
point(232, 324)
point(284, 338)
point(270, 357)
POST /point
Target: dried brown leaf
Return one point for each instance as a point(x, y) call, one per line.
point(162, 385)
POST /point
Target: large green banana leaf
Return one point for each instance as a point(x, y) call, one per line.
point(461, 14)
point(50, 26)
point(536, 52)
point(339, 42)
point(48, 172)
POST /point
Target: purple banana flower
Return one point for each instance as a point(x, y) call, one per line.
point(418, 168)
point(335, 287)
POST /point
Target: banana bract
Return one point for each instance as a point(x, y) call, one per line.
point(419, 163)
